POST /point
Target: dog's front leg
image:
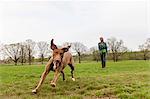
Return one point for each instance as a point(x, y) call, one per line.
point(44, 74)
point(56, 75)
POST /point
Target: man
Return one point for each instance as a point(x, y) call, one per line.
point(103, 50)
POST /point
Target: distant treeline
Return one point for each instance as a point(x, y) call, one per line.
point(32, 52)
point(136, 55)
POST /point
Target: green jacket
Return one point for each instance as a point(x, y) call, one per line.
point(102, 47)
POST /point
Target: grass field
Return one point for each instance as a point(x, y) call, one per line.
point(124, 79)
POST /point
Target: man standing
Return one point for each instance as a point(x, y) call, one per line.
point(103, 50)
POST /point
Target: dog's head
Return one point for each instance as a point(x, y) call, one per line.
point(58, 54)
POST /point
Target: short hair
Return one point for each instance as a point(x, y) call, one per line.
point(101, 37)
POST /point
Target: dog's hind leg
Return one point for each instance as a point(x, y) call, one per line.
point(63, 74)
point(72, 70)
point(44, 74)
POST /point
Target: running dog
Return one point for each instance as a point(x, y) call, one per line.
point(61, 57)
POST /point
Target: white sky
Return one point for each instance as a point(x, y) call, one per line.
point(75, 21)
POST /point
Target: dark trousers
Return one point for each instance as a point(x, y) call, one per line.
point(103, 59)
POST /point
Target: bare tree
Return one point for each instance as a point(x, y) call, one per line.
point(116, 48)
point(79, 48)
point(12, 51)
point(95, 53)
point(43, 49)
point(1, 51)
point(145, 49)
point(23, 52)
point(66, 44)
point(30, 49)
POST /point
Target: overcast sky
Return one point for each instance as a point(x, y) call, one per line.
point(75, 21)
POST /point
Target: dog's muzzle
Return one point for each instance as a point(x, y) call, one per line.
point(56, 64)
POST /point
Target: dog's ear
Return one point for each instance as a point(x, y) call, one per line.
point(65, 49)
point(53, 46)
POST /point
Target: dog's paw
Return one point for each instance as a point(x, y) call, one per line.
point(34, 91)
point(53, 84)
point(73, 79)
point(52, 81)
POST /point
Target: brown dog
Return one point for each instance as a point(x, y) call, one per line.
point(60, 58)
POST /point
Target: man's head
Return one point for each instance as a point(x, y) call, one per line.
point(101, 39)
point(58, 54)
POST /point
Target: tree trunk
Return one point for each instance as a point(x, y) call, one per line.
point(15, 62)
point(114, 57)
point(29, 56)
point(79, 57)
point(42, 57)
point(135, 57)
point(144, 56)
point(22, 53)
point(22, 61)
point(96, 60)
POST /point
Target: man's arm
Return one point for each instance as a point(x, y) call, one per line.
point(106, 47)
point(99, 47)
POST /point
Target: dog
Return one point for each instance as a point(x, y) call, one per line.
point(61, 57)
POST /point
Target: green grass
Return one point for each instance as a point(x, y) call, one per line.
point(124, 79)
